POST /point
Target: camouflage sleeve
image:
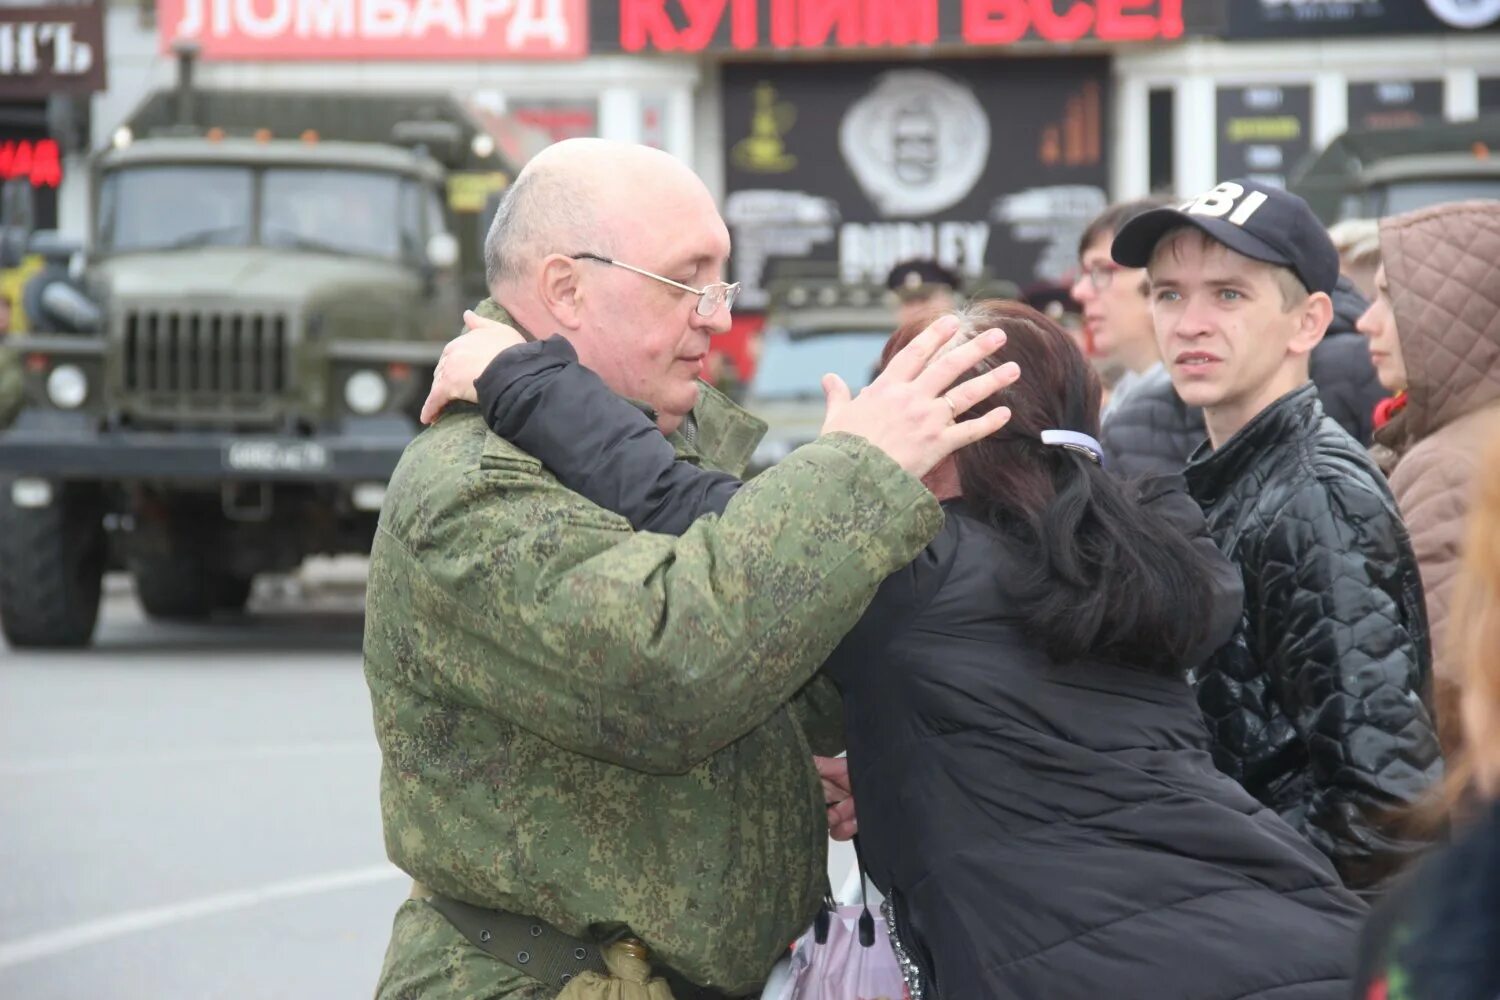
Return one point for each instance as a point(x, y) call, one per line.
point(11, 386)
point(646, 650)
point(819, 710)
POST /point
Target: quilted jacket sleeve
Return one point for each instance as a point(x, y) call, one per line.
point(1152, 432)
point(1432, 486)
point(1343, 640)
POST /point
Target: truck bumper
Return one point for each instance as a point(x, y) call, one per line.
point(51, 446)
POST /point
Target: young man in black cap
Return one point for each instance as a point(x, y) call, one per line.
point(1315, 706)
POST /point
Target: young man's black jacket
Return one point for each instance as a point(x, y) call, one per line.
point(1043, 829)
point(1154, 433)
point(1316, 705)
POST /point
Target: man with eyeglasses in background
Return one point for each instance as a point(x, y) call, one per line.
point(1146, 428)
point(598, 745)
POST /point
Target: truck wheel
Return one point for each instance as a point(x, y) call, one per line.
point(176, 587)
point(232, 593)
point(51, 568)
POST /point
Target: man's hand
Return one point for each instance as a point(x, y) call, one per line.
point(464, 359)
point(842, 824)
point(909, 412)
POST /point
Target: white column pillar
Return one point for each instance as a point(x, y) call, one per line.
point(1131, 166)
point(1195, 135)
point(620, 114)
point(679, 138)
point(1461, 94)
point(1330, 109)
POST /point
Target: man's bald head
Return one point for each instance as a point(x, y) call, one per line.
point(631, 204)
point(579, 196)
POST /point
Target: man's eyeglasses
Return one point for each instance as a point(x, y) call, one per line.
point(1100, 275)
point(710, 297)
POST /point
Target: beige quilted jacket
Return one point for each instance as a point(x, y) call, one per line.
point(1443, 266)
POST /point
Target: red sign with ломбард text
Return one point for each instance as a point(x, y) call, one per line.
point(377, 29)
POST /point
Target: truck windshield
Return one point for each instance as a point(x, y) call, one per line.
point(361, 212)
point(340, 211)
point(174, 207)
point(1404, 196)
point(792, 367)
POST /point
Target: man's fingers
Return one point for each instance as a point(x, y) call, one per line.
point(966, 432)
point(972, 391)
point(946, 370)
point(842, 823)
point(431, 407)
point(836, 395)
point(911, 359)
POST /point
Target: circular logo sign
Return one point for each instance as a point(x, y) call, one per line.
point(917, 143)
point(1466, 13)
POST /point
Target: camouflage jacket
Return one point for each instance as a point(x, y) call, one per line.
point(592, 725)
point(11, 394)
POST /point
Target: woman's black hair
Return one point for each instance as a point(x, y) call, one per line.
point(1101, 574)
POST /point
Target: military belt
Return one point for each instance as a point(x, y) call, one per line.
point(536, 948)
point(528, 944)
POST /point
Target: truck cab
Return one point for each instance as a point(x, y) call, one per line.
point(273, 275)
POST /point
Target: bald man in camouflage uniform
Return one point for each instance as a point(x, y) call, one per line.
point(611, 733)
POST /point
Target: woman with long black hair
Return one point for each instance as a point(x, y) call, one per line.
point(1035, 794)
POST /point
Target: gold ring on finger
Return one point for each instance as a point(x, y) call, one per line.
point(952, 407)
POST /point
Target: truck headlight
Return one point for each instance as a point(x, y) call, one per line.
point(67, 387)
point(365, 392)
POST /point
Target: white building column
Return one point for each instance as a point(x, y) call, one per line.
point(1195, 134)
point(1461, 94)
point(1330, 108)
point(1131, 167)
point(679, 138)
point(620, 114)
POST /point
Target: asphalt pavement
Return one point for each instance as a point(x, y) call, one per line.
point(191, 811)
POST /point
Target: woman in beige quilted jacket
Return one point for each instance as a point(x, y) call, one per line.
point(1434, 332)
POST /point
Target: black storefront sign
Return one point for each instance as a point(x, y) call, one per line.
point(48, 49)
point(1394, 103)
point(1328, 18)
point(1264, 130)
point(1489, 95)
point(991, 166)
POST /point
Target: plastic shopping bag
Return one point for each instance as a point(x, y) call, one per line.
point(841, 967)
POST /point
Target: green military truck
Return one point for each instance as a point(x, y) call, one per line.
point(1374, 173)
point(274, 275)
point(815, 324)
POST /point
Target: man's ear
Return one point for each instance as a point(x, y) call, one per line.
point(1313, 318)
point(559, 291)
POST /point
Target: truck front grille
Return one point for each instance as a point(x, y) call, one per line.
point(212, 364)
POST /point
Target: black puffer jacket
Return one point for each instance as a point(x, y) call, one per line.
point(1044, 831)
point(1154, 433)
point(1315, 706)
point(1059, 830)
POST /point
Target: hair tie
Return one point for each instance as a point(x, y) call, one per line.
point(1076, 441)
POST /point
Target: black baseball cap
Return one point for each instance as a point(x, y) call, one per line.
point(1260, 221)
